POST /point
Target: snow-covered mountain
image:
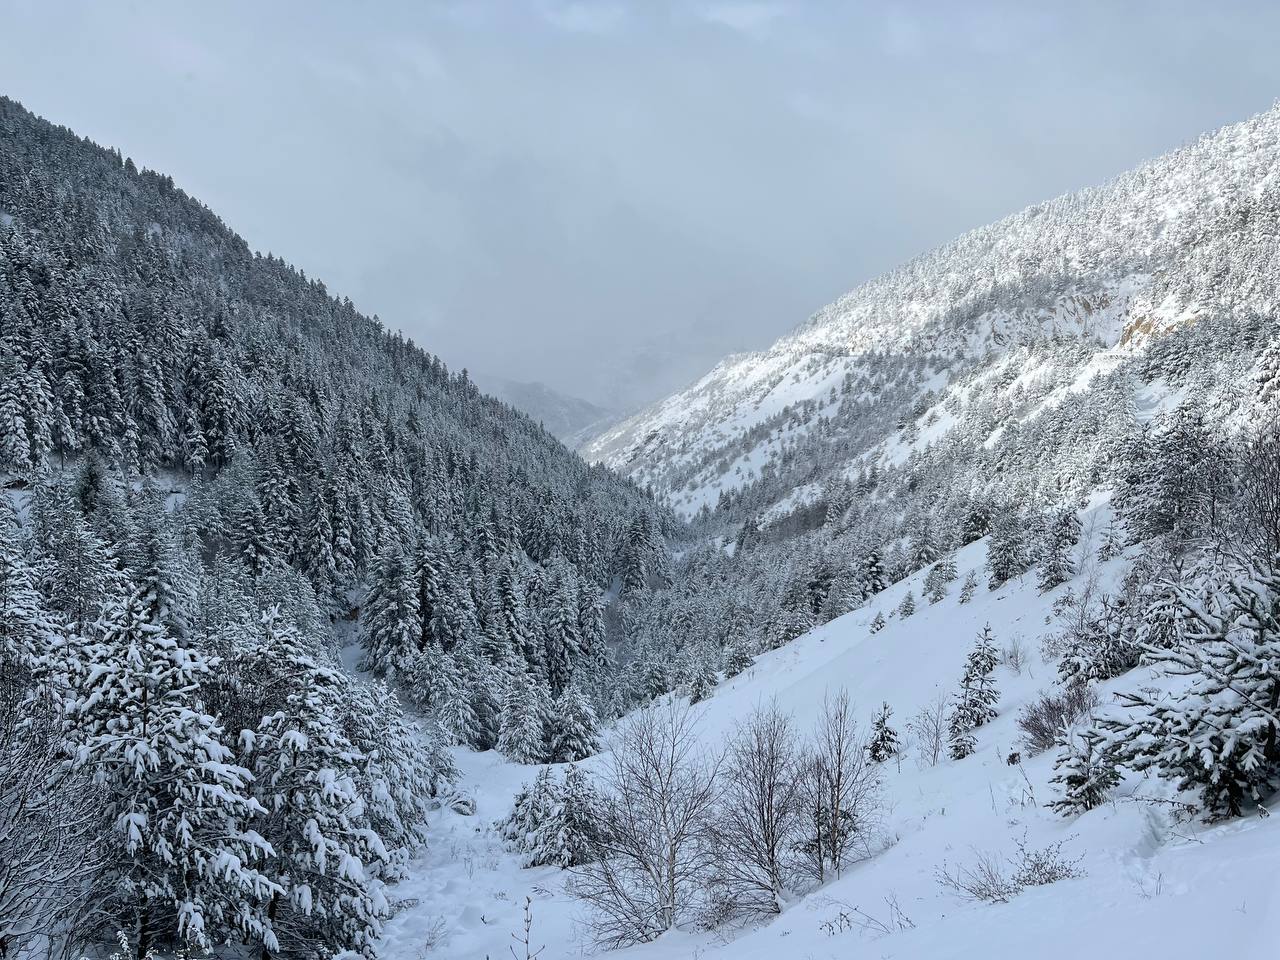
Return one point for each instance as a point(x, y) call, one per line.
point(1105, 271)
point(570, 419)
point(1016, 501)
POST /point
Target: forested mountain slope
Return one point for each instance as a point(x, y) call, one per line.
point(981, 329)
point(216, 475)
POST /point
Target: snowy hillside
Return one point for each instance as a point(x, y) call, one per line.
point(1109, 269)
point(1143, 870)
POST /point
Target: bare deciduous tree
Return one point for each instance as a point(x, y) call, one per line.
point(928, 728)
point(841, 793)
point(758, 822)
point(655, 850)
point(1257, 525)
point(49, 842)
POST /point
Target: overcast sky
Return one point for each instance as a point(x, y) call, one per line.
point(609, 197)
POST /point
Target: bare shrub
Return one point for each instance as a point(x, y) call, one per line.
point(988, 879)
point(849, 917)
point(1037, 867)
point(1041, 721)
point(985, 880)
point(841, 794)
point(655, 852)
point(522, 948)
point(1014, 654)
point(759, 818)
point(928, 728)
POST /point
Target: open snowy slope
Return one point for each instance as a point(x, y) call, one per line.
point(1108, 270)
point(1144, 872)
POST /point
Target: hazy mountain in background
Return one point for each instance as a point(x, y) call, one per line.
point(571, 420)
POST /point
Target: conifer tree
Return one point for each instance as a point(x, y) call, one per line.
point(884, 739)
point(969, 587)
point(874, 576)
point(392, 624)
point(1219, 732)
point(307, 773)
point(573, 728)
point(1007, 555)
point(1112, 544)
point(176, 805)
point(737, 656)
point(522, 737)
point(1060, 536)
point(702, 677)
point(975, 703)
point(908, 605)
point(1083, 773)
point(25, 627)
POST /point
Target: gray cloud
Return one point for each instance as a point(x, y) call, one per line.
point(609, 196)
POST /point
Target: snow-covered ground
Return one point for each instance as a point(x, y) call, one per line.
point(1152, 886)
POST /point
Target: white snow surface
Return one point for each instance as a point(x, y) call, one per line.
point(1153, 887)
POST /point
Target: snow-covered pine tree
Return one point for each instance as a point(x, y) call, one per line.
point(561, 636)
point(25, 627)
point(1083, 772)
point(975, 702)
point(939, 577)
point(1055, 564)
point(935, 590)
point(874, 577)
point(737, 656)
point(878, 623)
point(392, 622)
point(1100, 645)
point(567, 837)
point(456, 711)
point(77, 574)
point(573, 728)
point(307, 772)
point(177, 807)
point(522, 736)
point(969, 587)
point(163, 571)
point(406, 765)
point(701, 680)
point(908, 605)
point(1007, 555)
point(1220, 732)
point(534, 806)
point(1112, 542)
point(884, 739)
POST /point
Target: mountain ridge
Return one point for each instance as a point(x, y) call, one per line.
point(1005, 282)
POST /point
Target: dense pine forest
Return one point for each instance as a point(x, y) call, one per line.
point(219, 477)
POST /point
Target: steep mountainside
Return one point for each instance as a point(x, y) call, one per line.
point(215, 480)
point(1072, 286)
point(571, 420)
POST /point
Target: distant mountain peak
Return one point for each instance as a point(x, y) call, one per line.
point(570, 419)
